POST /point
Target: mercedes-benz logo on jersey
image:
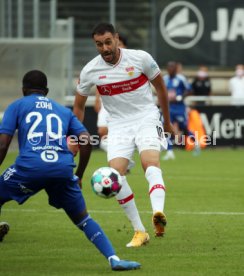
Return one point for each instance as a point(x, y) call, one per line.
point(181, 24)
point(106, 89)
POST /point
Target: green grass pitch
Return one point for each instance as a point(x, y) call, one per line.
point(205, 232)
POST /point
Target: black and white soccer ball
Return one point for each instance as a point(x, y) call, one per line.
point(106, 182)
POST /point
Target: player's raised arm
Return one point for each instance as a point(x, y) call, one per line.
point(162, 94)
point(79, 106)
point(5, 141)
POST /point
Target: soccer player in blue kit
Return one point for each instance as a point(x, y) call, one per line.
point(45, 162)
point(178, 88)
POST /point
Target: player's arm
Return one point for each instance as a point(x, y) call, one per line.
point(79, 111)
point(79, 106)
point(85, 149)
point(97, 104)
point(162, 94)
point(5, 141)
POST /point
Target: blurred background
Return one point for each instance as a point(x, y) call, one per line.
point(55, 36)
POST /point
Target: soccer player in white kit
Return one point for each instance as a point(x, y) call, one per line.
point(122, 77)
point(103, 115)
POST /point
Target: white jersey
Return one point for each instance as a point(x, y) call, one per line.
point(124, 87)
point(102, 117)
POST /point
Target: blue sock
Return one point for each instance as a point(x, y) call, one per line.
point(95, 234)
point(170, 144)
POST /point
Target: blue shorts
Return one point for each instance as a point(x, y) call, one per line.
point(63, 193)
point(179, 116)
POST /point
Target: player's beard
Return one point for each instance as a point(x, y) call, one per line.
point(109, 57)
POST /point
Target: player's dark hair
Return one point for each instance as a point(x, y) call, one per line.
point(103, 28)
point(123, 39)
point(35, 80)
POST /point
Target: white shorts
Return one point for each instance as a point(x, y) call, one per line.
point(102, 117)
point(146, 134)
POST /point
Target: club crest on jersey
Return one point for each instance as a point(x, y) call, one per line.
point(130, 70)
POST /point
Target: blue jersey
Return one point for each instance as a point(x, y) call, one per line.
point(43, 126)
point(177, 85)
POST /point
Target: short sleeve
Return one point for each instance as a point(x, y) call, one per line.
point(149, 66)
point(10, 120)
point(84, 84)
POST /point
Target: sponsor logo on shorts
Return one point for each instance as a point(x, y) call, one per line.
point(9, 172)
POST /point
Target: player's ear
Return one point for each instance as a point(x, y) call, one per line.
point(46, 90)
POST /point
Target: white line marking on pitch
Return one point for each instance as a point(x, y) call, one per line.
point(121, 212)
point(210, 213)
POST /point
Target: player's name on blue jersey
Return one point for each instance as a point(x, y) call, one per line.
point(44, 103)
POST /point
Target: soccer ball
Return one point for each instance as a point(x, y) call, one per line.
point(106, 182)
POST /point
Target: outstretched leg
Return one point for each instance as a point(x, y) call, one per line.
point(95, 234)
point(72, 201)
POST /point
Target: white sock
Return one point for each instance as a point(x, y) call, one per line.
point(104, 144)
point(156, 188)
point(126, 200)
